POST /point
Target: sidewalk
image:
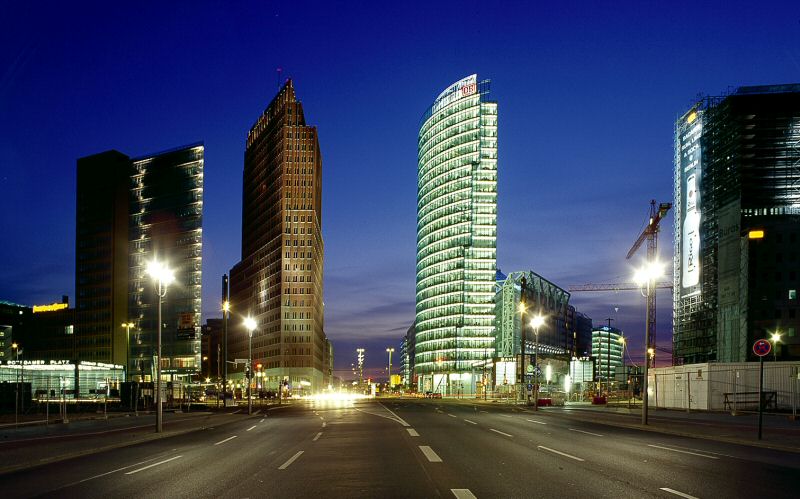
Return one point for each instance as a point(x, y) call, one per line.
point(31, 446)
point(778, 431)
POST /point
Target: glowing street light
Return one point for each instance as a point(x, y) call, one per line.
point(162, 277)
point(536, 323)
point(251, 325)
point(646, 277)
point(128, 326)
point(775, 338)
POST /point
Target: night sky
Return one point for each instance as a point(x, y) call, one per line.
point(588, 95)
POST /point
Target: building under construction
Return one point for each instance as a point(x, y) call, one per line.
point(737, 225)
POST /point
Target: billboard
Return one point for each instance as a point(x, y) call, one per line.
point(690, 167)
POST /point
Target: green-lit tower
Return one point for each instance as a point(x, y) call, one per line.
point(456, 238)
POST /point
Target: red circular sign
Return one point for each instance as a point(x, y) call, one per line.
point(762, 347)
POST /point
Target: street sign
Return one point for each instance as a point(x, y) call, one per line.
point(762, 348)
point(537, 371)
point(530, 387)
point(530, 368)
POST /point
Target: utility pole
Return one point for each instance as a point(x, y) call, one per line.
point(226, 306)
point(522, 306)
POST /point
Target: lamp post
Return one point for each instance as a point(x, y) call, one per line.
point(390, 351)
point(162, 276)
point(775, 338)
point(536, 323)
point(127, 326)
point(250, 324)
point(646, 277)
point(226, 311)
point(522, 309)
point(15, 347)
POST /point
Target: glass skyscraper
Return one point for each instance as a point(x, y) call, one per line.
point(456, 237)
point(166, 224)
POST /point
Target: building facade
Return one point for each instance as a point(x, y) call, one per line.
point(456, 237)
point(211, 349)
point(541, 297)
point(737, 171)
point(279, 278)
point(102, 239)
point(166, 225)
point(608, 348)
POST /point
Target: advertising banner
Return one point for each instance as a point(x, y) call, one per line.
point(690, 162)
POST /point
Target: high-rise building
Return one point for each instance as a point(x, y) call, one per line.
point(101, 257)
point(456, 237)
point(737, 225)
point(278, 281)
point(607, 350)
point(166, 225)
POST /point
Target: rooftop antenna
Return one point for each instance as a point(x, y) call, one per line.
point(280, 71)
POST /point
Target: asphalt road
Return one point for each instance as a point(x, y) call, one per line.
point(415, 448)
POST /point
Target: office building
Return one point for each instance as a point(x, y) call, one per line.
point(608, 348)
point(456, 237)
point(166, 225)
point(737, 225)
point(101, 257)
point(278, 281)
point(211, 349)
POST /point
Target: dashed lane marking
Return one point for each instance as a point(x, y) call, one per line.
point(678, 493)
point(262, 420)
point(463, 494)
point(412, 432)
point(227, 439)
point(470, 422)
point(251, 428)
point(290, 461)
point(587, 432)
point(682, 451)
point(534, 421)
point(317, 437)
point(430, 454)
point(154, 464)
point(501, 432)
point(560, 453)
point(452, 415)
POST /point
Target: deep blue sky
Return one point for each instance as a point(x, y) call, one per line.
point(588, 94)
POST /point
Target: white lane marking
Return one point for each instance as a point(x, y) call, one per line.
point(237, 411)
point(290, 461)
point(677, 493)
point(560, 453)
point(500, 432)
point(324, 424)
point(278, 407)
point(587, 432)
point(487, 412)
point(223, 441)
point(701, 450)
point(257, 412)
point(401, 420)
point(322, 418)
point(317, 437)
point(682, 451)
point(534, 421)
point(412, 432)
point(463, 494)
point(262, 420)
point(113, 471)
point(250, 428)
point(452, 415)
point(506, 416)
point(470, 422)
point(432, 456)
point(154, 464)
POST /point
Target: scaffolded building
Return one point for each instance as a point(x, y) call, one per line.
point(737, 225)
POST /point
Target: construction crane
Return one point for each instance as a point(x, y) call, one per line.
point(650, 234)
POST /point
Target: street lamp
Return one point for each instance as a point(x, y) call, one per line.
point(775, 338)
point(128, 326)
point(163, 277)
point(646, 277)
point(390, 351)
point(226, 312)
point(536, 323)
point(15, 347)
point(250, 324)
